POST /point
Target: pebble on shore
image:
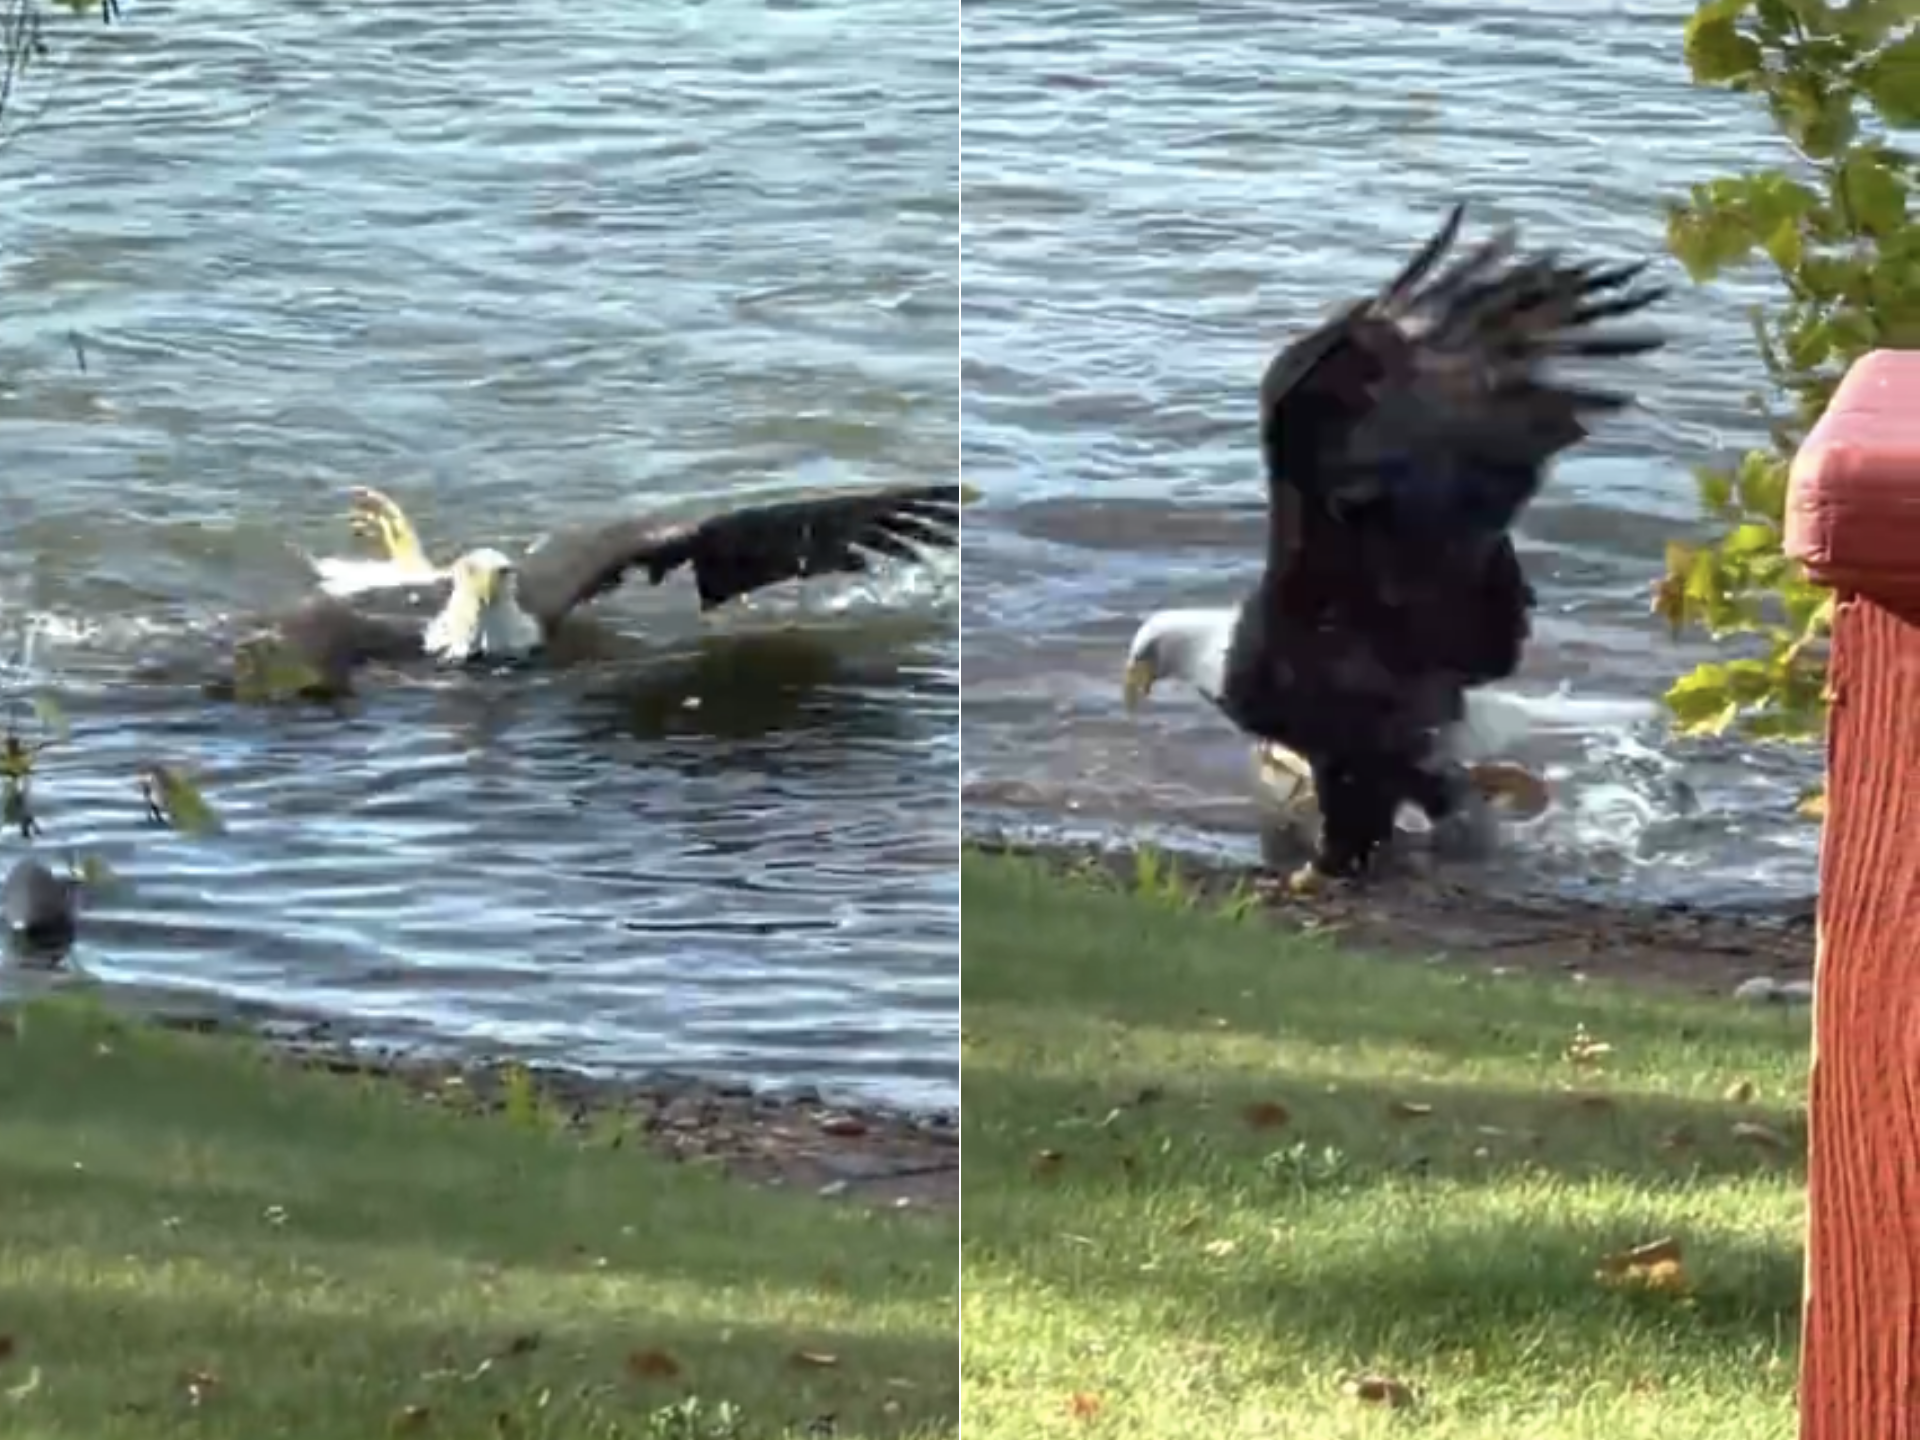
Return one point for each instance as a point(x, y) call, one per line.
point(1765, 990)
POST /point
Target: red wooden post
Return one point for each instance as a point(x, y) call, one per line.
point(1853, 516)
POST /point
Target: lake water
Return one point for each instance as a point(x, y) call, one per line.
point(1156, 199)
point(521, 265)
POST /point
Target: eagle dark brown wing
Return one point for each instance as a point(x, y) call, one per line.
point(741, 550)
point(1433, 402)
point(318, 648)
point(1404, 437)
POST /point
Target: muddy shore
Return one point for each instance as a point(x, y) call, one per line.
point(798, 1139)
point(792, 1138)
point(1426, 915)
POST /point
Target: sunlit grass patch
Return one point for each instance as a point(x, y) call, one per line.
point(1221, 1180)
point(201, 1242)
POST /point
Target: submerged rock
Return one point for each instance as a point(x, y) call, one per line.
point(41, 909)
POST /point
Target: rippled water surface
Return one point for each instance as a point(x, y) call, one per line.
point(1156, 198)
point(522, 265)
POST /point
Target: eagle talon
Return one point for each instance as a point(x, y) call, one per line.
point(378, 517)
point(1310, 880)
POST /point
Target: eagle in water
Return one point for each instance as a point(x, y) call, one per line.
point(1402, 439)
point(492, 607)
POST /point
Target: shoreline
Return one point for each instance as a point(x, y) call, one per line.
point(1449, 918)
point(790, 1137)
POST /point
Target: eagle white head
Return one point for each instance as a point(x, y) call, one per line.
point(1189, 645)
point(1192, 646)
point(482, 616)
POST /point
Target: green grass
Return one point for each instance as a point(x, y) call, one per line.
point(197, 1241)
point(1144, 1256)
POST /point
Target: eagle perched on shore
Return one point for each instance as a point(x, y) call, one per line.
point(1402, 439)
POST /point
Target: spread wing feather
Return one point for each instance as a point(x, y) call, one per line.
point(1404, 437)
point(1433, 400)
point(741, 550)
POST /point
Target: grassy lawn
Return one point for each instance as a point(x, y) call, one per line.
point(1215, 1173)
point(196, 1241)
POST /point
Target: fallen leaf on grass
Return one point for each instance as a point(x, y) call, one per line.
point(1083, 1406)
point(1378, 1390)
point(1750, 1132)
point(1652, 1252)
point(815, 1359)
point(1408, 1109)
point(1741, 1092)
point(410, 1418)
point(1655, 1265)
point(200, 1385)
point(26, 1387)
point(1583, 1049)
point(652, 1365)
point(1266, 1115)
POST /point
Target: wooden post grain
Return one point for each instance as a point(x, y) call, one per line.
point(1853, 517)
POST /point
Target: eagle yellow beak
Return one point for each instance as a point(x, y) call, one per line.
point(1139, 682)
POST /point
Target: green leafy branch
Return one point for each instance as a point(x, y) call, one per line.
point(171, 796)
point(1837, 81)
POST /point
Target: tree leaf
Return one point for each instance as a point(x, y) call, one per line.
point(1749, 682)
point(1892, 81)
point(1761, 483)
point(1785, 247)
point(52, 718)
point(1752, 538)
point(1698, 695)
point(177, 800)
point(1716, 493)
point(1816, 116)
point(97, 875)
point(1875, 197)
point(1717, 53)
point(1851, 334)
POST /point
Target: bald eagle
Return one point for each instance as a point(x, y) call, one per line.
point(487, 605)
point(1402, 439)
